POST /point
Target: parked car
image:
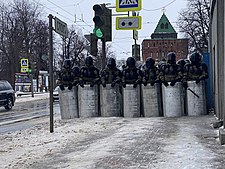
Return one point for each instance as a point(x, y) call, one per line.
point(7, 95)
point(56, 94)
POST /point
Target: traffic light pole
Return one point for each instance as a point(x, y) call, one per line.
point(51, 72)
point(135, 50)
point(103, 53)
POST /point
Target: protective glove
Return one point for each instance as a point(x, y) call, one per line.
point(103, 84)
point(61, 87)
point(92, 84)
point(124, 85)
point(135, 85)
point(113, 84)
point(166, 83)
point(172, 83)
point(185, 85)
point(70, 87)
point(145, 82)
point(197, 81)
point(82, 83)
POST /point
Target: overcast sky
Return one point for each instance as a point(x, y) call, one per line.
point(151, 12)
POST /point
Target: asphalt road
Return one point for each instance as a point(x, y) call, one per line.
point(24, 115)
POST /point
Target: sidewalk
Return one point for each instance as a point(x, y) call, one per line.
point(116, 143)
point(25, 98)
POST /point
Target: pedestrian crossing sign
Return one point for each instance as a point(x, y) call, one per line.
point(24, 63)
point(128, 5)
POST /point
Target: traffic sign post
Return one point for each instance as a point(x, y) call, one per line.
point(128, 23)
point(135, 34)
point(128, 5)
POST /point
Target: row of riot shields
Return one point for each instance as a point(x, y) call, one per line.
point(142, 101)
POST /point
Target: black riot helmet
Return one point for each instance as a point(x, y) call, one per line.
point(181, 62)
point(195, 58)
point(150, 62)
point(67, 64)
point(171, 58)
point(131, 62)
point(111, 63)
point(89, 61)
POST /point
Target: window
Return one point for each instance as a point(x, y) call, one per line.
point(162, 26)
point(166, 26)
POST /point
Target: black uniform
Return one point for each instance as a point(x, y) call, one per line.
point(170, 72)
point(131, 74)
point(150, 72)
point(111, 74)
point(195, 70)
point(89, 74)
point(66, 76)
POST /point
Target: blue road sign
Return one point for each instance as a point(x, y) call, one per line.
point(24, 63)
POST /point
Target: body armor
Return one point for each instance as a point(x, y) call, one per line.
point(150, 72)
point(89, 74)
point(131, 74)
point(66, 76)
point(111, 74)
point(170, 72)
point(195, 70)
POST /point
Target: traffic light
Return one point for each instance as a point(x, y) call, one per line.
point(93, 47)
point(103, 22)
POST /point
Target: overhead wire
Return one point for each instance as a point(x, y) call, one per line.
point(151, 10)
point(82, 26)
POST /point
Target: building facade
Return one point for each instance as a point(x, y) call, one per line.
point(217, 52)
point(164, 40)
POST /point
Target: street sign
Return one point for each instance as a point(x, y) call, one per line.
point(135, 34)
point(128, 23)
point(24, 70)
point(24, 63)
point(128, 5)
point(61, 27)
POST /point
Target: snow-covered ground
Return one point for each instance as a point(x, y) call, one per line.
point(114, 142)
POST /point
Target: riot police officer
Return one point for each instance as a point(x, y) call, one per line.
point(111, 74)
point(150, 72)
point(76, 73)
point(131, 74)
point(181, 63)
point(170, 72)
point(195, 70)
point(66, 76)
point(89, 74)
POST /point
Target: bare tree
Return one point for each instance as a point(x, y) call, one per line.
point(23, 34)
point(194, 23)
point(74, 48)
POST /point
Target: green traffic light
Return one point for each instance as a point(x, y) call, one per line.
point(98, 33)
